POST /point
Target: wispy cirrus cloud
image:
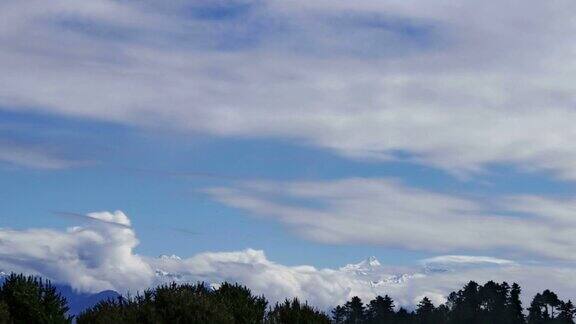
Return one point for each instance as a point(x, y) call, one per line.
point(34, 157)
point(455, 86)
point(388, 213)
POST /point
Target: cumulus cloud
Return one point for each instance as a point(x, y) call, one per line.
point(96, 256)
point(389, 213)
point(458, 86)
point(100, 255)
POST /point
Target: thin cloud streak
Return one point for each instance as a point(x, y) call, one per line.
point(388, 213)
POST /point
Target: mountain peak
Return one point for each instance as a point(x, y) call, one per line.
point(368, 264)
point(169, 257)
point(372, 261)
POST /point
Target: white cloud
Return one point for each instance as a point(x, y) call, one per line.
point(465, 259)
point(458, 86)
point(99, 255)
point(34, 157)
point(96, 256)
point(388, 213)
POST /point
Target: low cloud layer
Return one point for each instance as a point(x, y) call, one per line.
point(100, 255)
point(387, 213)
point(455, 86)
point(96, 256)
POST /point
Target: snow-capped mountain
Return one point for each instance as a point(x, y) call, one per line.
point(364, 267)
point(369, 273)
point(374, 274)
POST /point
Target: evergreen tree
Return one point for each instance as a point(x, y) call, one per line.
point(426, 312)
point(293, 312)
point(244, 307)
point(536, 313)
point(32, 300)
point(339, 314)
point(544, 307)
point(567, 313)
point(494, 299)
point(551, 302)
point(380, 310)
point(402, 316)
point(354, 311)
point(515, 305)
point(4, 313)
point(465, 305)
point(442, 314)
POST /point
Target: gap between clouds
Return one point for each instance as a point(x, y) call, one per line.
point(100, 255)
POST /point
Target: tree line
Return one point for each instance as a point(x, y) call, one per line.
point(491, 303)
point(27, 299)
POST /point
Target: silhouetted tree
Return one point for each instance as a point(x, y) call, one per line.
point(339, 314)
point(354, 311)
point(426, 312)
point(515, 305)
point(465, 305)
point(544, 307)
point(28, 299)
point(567, 313)
point(380, 310)
point(402, 316)
point(294, 312)
point(4, 313)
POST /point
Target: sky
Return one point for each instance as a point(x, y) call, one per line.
point(292, 137)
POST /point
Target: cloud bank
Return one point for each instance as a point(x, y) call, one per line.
point(458, 86)
point(100, 255)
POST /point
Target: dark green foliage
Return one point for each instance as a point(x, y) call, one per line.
point(491, 303)
point(4, 313)
point(32, 300)
point(27, 299)
point(515, 305)
point(426, 313)
point(402, 317)
point(339, 314)
point(294, 312)
point(354, 311)
point(172, 304)
point(548, 308)
point(380, 310)
point(242, 306)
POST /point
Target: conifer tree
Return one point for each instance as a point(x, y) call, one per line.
point(4, 313)
point(294, 312)
point(244, 307)
point(566, 313)
point(515, 305)
point(354, 311)
point(339, 314)
point(380, 310)
point(33, 300)
point(425, 312)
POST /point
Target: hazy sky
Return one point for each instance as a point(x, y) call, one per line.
point(301, 132)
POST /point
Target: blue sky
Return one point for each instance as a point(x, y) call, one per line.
point(319, 133)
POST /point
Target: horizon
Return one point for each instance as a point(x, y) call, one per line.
point(273, 143)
